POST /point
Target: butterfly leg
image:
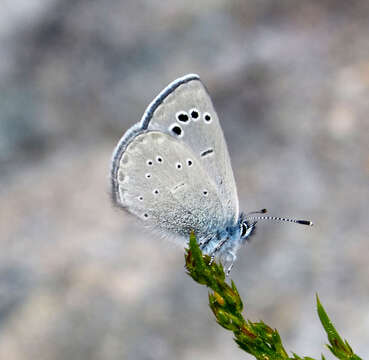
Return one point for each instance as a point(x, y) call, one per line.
point(233, 258)
point(216, 249)
point(229, 269)
point(203, 243)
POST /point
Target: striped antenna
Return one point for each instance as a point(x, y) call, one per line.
point(302, 222)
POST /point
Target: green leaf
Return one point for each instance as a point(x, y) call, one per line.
point(339, 348)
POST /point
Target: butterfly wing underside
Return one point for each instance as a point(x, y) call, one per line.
point(179, 125)
point(161, 182)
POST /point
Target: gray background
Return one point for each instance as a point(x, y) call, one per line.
point(290, 81)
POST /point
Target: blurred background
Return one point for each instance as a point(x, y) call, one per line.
point(290, 82)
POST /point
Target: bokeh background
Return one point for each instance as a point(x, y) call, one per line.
point(290, 81)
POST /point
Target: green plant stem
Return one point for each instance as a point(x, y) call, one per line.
point(256, 338)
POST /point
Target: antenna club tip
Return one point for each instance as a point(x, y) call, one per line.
point(263, 211)
point(305, 222)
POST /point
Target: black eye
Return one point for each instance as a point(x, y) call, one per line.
point(243, 229)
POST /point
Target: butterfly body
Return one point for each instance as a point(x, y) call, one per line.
point(173, 171)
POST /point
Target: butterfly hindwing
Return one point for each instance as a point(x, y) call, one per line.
point(161, 182)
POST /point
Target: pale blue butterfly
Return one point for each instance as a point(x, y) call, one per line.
point(172, 170)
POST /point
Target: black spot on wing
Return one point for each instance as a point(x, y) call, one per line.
point(207, 152)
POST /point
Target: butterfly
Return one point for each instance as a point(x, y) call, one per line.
point(173, 171)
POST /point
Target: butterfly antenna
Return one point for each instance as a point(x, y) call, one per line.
point(256, 218)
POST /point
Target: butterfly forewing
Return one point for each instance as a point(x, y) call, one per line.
point(187, 114)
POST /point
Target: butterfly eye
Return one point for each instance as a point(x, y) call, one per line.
point(243, 229)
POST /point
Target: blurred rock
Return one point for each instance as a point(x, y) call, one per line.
point(290, 81)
